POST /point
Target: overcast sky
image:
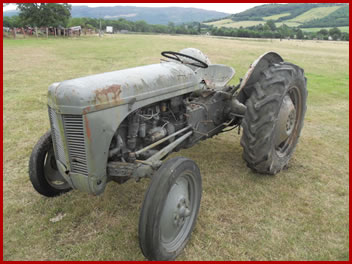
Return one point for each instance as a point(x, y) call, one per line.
point(226, 7)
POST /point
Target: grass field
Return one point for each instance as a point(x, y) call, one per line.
point(300, 214)
point(235, 24)
point(314, 13)
point(288, 23)
point(220, 23)
point(249, 23)
point(275, 17)
point(343, 29)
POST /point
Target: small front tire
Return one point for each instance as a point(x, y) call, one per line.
point(170, 209)
point(43, 172)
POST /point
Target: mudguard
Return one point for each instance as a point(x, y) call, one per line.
point(257, 67)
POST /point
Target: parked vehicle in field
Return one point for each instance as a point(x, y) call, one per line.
point(121, 125)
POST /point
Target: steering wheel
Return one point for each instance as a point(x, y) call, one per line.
point(175, 56)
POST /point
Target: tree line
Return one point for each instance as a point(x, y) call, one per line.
point(269, 30)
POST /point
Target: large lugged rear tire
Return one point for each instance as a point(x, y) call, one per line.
point(274, 117)
point(170, 209)
point(43, 173)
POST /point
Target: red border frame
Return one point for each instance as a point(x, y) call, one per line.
point(175, 1)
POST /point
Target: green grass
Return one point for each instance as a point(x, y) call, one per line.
point(235, 24)
point(288, 23)
point(299, 214)
point(315, 13)
point(275, 17)
point(343, 29)
point(220, 23)
point(231, 24)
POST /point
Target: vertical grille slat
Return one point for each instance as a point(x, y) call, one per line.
point(74, 132)
point(56, 136)
point(73, 138)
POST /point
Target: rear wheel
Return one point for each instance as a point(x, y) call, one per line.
point(274, 117)
point(170, 209)
point(43, 172)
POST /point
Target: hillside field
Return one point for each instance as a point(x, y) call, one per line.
point(237, 24)
point(343, 29)
point(247, 23)
point(315, 13)
point(300, 214)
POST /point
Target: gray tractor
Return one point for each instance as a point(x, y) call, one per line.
point(121, 125)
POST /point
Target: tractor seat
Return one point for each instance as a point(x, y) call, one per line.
point(216, 76)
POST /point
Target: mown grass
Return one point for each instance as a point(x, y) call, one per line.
point(220, 22)
point(275, 17)
point(235, 24)
point(315, 13)
point(343, 29)
point(299, 214)
point(248, 23)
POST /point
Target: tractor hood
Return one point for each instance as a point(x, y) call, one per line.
point(101, 91)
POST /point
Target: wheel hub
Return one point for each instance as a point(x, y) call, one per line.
point(182, 211)
point(177, 211)
point(51, 173)
point(286, 120)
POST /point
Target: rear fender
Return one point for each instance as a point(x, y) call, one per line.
point(255, 70)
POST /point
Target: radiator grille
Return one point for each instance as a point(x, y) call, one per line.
point(74, 133)
point(56, 136)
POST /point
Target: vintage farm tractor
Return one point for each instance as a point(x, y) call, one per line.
point(120, 125)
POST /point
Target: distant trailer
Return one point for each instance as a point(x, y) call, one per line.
point(109, 29)
point(76, 28)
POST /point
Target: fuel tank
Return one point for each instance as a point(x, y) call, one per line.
point(149, 83)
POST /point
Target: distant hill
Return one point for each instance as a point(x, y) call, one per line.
point(293, 15)
point(152, 15)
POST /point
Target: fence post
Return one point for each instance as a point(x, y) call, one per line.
point(14, 32)
point(36, 32)
point(47, 32)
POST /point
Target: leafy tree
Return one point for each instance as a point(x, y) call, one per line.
point(271, 25)
point(171, 27)
point(285, 31)
point(323, 32)
point(299, 34)
point(345, 36)
point(335, 32)
point(142, 26)
point(266, 28)
point(44, 14)
point(13, 21)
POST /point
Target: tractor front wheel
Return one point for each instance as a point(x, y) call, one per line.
point(43, 172)
point(274, 117)
point(170, 209)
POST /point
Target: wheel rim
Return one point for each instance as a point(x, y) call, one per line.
point(51, 173)
point(179, 212)
point(289, 118)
